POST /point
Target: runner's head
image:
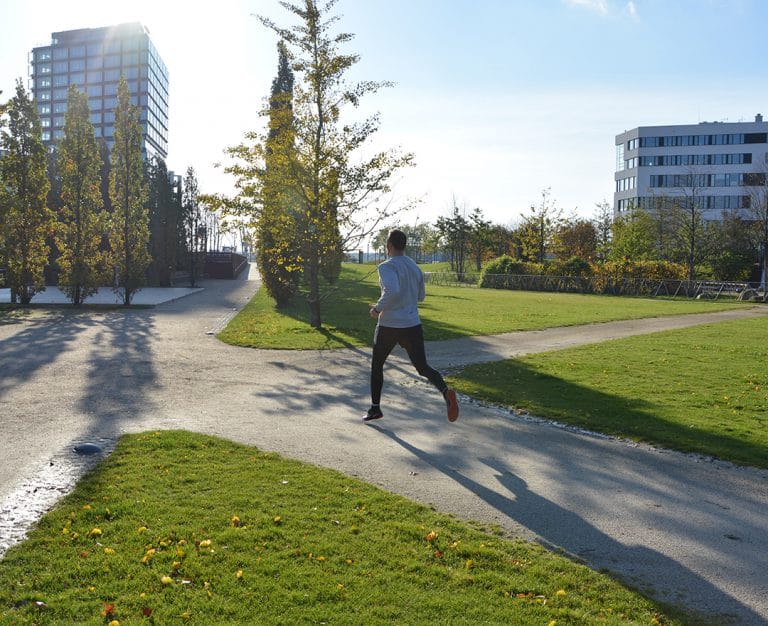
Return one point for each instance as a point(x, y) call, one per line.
point(397, 240)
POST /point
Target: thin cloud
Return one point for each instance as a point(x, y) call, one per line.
point(600, 6)
point(631, 10)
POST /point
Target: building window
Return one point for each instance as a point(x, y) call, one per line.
point(95, 63)
point(130, 58)
point(60, 80)
point(753, 179)
point(620, 157)
point(58, 122)
point(43, 55)
point(94, 49)
point(44, 96)
point(756, 138)
point(44, 69)
point(94, 90)
point(45, 122)
point(77, 66)
point(46, 135)
point(77, 79)
point(44, 109)
point(60, 53)
point(59, 107)
point(95, 118)
point(77, 51)
point(112, 60)
point(59, 94)
point(42, 83)
point(58, 134)
point(94, 77)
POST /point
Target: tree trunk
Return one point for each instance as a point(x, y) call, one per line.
point(314, 294)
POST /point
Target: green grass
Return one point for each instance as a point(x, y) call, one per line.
point(702, 389)
point(176, 528)
point(447, 313)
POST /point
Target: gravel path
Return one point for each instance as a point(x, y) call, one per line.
point(687, 530)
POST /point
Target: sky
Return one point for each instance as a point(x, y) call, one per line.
point(498, 100)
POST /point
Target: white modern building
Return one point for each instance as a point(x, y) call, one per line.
point(721, 166)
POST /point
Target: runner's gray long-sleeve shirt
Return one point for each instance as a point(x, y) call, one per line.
point(402, 288)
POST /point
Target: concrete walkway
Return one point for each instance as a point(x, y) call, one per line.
point(685, 529)
point(105, 295)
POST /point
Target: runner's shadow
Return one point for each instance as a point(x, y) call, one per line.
point(562, 530)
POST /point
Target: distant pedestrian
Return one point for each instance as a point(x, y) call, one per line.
point(397, 313)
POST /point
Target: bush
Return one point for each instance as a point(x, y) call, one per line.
point(575, 266)
point(507, 266)
point(650, 270)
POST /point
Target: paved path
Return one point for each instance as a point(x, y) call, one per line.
point(687, 530)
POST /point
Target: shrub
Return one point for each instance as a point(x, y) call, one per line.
point(506, 266)
point(575, 266)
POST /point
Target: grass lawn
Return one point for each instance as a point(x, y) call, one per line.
point(178, 528)
point(702, 389)
point(447, 313)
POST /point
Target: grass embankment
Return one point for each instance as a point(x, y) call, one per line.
point(181, 528)
point(702, 389)
point(447, 313)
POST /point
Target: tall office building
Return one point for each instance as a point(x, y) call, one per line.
point(719, 165)
point(93, 59)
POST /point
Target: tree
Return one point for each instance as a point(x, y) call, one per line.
point(81, 217)
point(164, 215)
point(27, 220)
point(733, 255)
point(480, 237)
point(576, 238)
point(538, 229)
point(455, 232)
point(685, 212)
point(603, 222)
point(129, 223)
point(335, 191)
point(633, 236)
point(758, 215)
point(279, 221)
point(195, 225)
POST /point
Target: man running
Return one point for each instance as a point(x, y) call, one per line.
point(397, 312)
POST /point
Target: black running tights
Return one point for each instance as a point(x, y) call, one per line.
point(412, 339)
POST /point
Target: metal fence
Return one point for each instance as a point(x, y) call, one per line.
point(625, 286)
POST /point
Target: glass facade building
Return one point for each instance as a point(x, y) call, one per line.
point(93, 59)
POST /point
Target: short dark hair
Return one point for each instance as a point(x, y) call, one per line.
point(397, 238)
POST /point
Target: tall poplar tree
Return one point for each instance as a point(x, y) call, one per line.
point(339, 192)
point(194, 223)
point(129, 223)
point(164, 215)
point(81, 224)
point(279, 220)
point(27, 221)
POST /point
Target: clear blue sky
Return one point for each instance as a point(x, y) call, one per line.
point(498, 99)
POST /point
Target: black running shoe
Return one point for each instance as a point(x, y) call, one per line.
point(373, 413)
